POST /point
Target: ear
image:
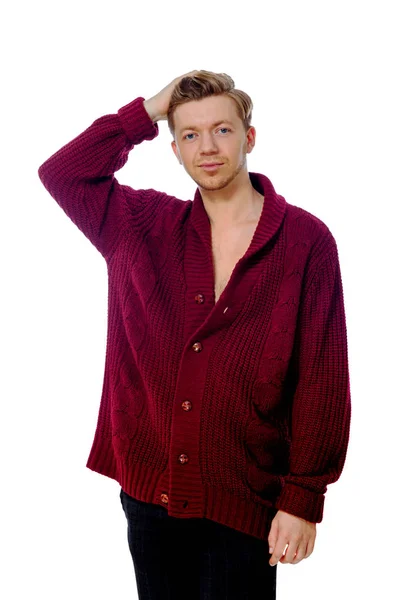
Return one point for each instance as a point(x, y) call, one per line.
point(176, 151)
point(251, 139)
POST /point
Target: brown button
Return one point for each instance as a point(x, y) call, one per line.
point(187, 405)
point(183, 458)
point(199, 298)
point(164, 498)
point(197, 347)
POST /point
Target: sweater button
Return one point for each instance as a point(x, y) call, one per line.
point(164, 498)
point(187, 405)
point(199, 298)
point(197, 347)
point(183, 458)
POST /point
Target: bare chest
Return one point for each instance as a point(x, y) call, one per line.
point(227, 249)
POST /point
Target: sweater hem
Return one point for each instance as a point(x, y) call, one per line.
point(149, 485)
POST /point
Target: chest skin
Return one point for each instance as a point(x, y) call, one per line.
point(228, 247)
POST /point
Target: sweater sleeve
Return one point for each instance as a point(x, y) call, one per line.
point(80, 176)
point(321, 409)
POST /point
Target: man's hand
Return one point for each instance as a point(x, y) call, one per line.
point(297, 533)
point(157, 106)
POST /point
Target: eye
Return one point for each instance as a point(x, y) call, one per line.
point(186, 136)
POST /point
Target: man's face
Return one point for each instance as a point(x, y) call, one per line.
point(210, 131)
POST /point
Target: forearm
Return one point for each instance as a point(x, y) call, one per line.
point(80, 176)
point(151, 110)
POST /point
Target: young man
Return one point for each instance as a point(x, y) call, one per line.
point(225, 410)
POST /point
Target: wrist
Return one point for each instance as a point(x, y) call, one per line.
point(150, 110)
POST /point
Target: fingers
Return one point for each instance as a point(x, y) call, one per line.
point(272, 539)
point(292, 552)
point(295, 554)
point(273, 536)
point(278, 552)
point(310, 547)
point(177, 79)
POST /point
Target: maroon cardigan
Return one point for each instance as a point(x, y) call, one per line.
point(229, 410)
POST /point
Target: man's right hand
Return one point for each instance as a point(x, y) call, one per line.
point(157, 106)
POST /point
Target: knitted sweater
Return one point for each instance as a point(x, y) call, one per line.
point(227, 411)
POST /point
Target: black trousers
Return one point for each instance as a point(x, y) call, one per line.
point(194, 559)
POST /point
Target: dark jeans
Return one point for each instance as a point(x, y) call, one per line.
point(194, 559)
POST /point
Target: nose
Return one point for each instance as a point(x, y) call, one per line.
point(207, 143)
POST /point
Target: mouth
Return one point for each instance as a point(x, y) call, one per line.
point(211, 167)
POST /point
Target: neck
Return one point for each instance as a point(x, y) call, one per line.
point(235, 204)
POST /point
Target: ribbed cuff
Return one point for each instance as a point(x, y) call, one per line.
point(136, 122)
point(301, 502)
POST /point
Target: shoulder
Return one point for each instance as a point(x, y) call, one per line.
point(304, 227)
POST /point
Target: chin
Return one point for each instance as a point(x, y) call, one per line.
point(214, 185)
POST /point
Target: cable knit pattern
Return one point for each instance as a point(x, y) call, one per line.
point(230, 410)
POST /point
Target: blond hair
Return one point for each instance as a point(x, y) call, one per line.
point(204, 84)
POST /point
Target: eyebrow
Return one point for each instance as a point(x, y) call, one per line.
point(213, 125)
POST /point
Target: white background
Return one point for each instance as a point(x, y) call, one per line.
point(323, 77)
